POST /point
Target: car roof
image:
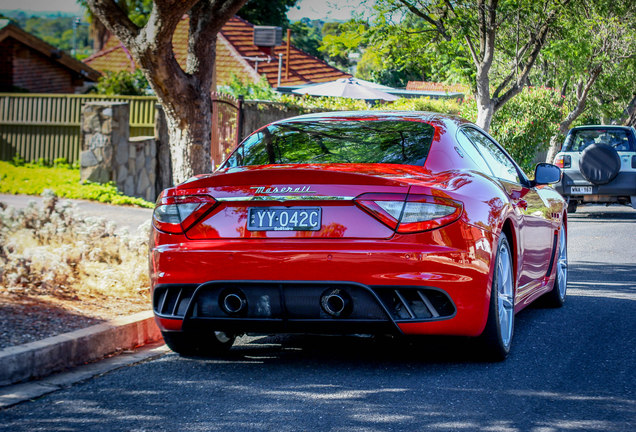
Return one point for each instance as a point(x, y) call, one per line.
point(592, 127)
point(377, 115)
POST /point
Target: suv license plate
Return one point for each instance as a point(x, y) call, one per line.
point(284, 219)
point(581, 190)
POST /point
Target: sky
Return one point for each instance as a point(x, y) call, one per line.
point(43, 5)
point(328, 10)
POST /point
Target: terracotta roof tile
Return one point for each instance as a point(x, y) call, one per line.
point(235, 53)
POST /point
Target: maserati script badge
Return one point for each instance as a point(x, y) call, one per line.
point(283, 189)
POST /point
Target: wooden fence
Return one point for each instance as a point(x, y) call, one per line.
point(47, 126)
point(34, 126)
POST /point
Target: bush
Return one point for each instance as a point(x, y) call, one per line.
point(124, 83)
point(445, 106)
point(51, 250)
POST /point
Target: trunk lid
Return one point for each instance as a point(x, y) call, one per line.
point(296, 201)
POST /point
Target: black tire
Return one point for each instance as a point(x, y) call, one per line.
point(187, 344)
point(599, 164)
point(556, 297)
point(496, 338)
point(572, 205)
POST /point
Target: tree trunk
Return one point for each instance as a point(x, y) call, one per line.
point(184, 94)
point(630, 113)
point(485, 112)
point(555, 147)
point(190, 139)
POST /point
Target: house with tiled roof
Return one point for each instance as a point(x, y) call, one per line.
point(28, 64)
point(235, 53)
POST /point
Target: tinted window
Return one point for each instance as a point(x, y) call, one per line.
point(394, 142)
point(473, 154)
point(497, 160)
point(578, 140)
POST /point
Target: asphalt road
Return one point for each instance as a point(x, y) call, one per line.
point(571, 369)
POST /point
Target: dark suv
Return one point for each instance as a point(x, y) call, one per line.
point(599, 166)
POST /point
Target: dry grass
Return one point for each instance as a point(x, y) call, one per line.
point(50, 250)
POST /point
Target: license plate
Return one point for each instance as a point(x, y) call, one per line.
point(581, 190)
point(284, 219)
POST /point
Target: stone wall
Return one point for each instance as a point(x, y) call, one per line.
point(109, 154)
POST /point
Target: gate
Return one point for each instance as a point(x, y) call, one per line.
point(226, 124)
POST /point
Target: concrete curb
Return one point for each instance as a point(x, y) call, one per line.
point(44, 357)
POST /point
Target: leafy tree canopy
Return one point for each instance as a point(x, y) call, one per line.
point(267, 12)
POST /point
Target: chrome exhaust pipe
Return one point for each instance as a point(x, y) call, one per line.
point(336, 303)
point(233, 303)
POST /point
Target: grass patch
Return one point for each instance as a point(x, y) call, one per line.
point(63, 180)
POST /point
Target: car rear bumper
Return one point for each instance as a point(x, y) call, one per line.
point(624, 185)
point(447, 287)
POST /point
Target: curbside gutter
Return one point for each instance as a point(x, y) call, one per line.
point(54, 354)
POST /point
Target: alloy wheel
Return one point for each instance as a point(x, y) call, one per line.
point(505, 294)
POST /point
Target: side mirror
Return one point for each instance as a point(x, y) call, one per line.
point(546, 173)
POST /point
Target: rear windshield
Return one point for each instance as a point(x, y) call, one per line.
point(578, 140)
point(322, 142)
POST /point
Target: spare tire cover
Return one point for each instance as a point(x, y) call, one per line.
point(599, 163)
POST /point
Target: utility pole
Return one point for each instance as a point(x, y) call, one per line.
point(76, 23)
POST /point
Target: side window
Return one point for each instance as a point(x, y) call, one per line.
point(472, 153)
point(501, 166)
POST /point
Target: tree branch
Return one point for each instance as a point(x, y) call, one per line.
point(582, 93)
point(114, 19)
point(207, 17)
point(535, 45)
point(437, 24)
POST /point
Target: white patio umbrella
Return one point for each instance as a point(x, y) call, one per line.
point(348, 88)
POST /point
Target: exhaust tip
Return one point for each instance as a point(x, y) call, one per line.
point(233, 303)
point(336, 303)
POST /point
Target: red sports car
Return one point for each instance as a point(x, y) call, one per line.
point(358, 222)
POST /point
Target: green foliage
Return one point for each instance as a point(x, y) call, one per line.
point(525, 124)
point(64, 181)
point(314, 104)
point(306, 37)
point(123, 83)
point(137, 10)
point(340, 41)
point(445, 106)
point(267, 12)
point(57, 31)
point(253, 91)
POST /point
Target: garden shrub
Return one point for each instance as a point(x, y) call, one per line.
point(51, 250)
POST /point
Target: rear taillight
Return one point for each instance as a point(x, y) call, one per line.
point(175, 214)
point(563, 161)
point(412, 213)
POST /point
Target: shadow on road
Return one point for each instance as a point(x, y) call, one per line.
point(571, 369)
point(604, 214)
